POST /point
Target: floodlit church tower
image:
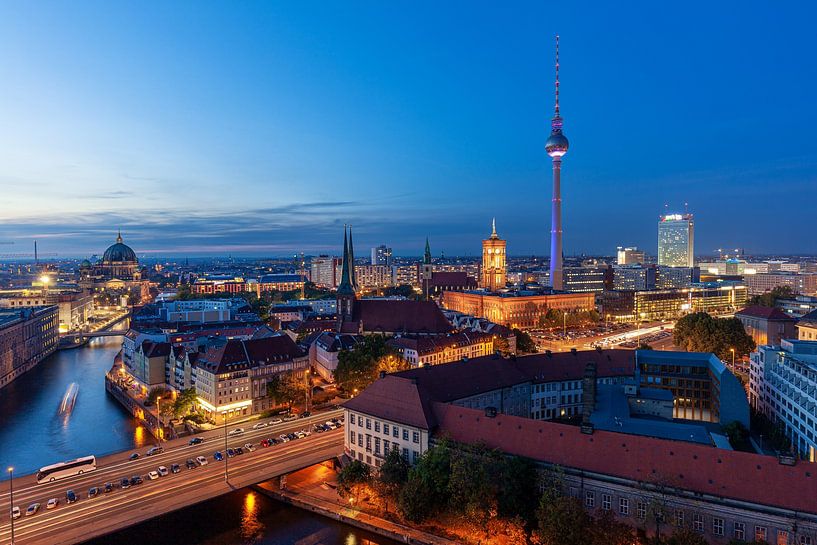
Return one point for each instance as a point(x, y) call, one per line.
point(494, 266)
point(556, 146)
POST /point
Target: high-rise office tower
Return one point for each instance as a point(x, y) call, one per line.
point(556, 146)
point(630, 256)
point(381, 255)
point(494, 267)
point(676, 240)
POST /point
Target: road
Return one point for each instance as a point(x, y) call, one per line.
point(91, 517)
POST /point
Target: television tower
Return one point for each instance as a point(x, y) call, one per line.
point(556, 146)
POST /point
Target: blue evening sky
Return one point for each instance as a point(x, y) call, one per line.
point(262, 127)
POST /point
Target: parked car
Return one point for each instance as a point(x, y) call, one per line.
point(290, 418)
point(136, 479)
point(196, 441)
point(265, 443)
point(15, 512)
point(201, 460)
point(230, 452)
point(152, 475)
point(52, 503)
point(93, 492)
point(237, 431)
point(275, 421)
point(260, 425)
point(162, 471)
point(124, 483)
point(108, 488)
point(32, 509)
point(249, 446)
point(218, 456)
point(70, 496)
point(239, 450)
point(155, 450)
point(190, 463)
point(283, 437)
point(174, 468)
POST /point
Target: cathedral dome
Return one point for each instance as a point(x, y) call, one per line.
point(119, 253)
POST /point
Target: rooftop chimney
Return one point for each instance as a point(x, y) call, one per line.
point(588, 397)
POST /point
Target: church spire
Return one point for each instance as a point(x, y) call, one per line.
point(345, 287)
point(493, 229)
point(427, 255)
point(352, 275)
point(119, 236)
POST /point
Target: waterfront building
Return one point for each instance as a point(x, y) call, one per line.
point(521, 309)
point(325, 271)
point(634, 277)
point(711, 297)
point(799, 283)
point(767, 325)
point(629, 256)
point(593, 279)
point(494, 265)
point(676, 240)
point(75, 306)
point(556, 147)
point(676, 277)
point(27, 336)
point(149, 364)
point(423, 350)
point(232, 375)
point(381, 255)
point(783, 386)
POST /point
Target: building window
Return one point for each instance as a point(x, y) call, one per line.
point(386, 429)
point(641, 509)
point(698, 522)
point(740, 531)
point(589, 498)
point(395, 431)
point(623, 506)
point(377, 426)
point(782, 537)
point(760, 533)
point(414, 456)
point(377, 445)
point(352, 437)
point(415, 437)
point(805, 540)
point(606, 502)
point(679, 518)
point(360, 439)
point(717, 526)
point(405, 454)
point(368, 424)
point(405, 434)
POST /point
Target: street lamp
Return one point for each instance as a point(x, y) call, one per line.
point(11, 500)
point(308, 390)
point(226, 475)
point(732, 350)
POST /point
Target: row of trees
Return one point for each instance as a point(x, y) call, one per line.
point(555, 318)
point(769, 299)
point(479, 492)
point(181, 406)
point(360, 367)
point(700, 332)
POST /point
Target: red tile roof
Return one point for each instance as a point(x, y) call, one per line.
point(395, 399)
point(390, 316)
point(766, 313)
point(427, 345)
point(728, 474)
point(222, 357)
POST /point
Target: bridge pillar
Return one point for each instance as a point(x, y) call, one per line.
point(282, 482)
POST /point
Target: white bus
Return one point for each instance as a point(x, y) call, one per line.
point(70, 468)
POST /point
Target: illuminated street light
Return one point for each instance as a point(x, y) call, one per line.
point(11, 500)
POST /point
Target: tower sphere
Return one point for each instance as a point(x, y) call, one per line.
point(557, 144)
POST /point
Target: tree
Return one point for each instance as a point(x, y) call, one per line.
point(644, 346)
point(738, 436)
point(360, 366)
point(286, 388)
point(426, 491)
point(561, 520)
point(686, 536)
point(392, 476)
point(352, 477)
point(524, 343)
point(769, 299)
point(606, 530)
point(518, 489)
point(155, 393)
point(700, 332)
point(502, 345)
point(184, 403)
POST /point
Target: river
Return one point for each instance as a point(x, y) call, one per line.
point(33, 434)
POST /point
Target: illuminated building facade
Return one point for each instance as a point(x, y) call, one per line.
point(635, 305)
point(799, 283)
point(27, 336)
point(676, 240)
point(494, 266)
point(381, 255)
point(419, 351)
point(515, 309)
point(325, 271)
point(629, 256)
point(588, 279)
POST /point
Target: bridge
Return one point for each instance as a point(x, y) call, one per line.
point(106, 513)
point(91, 334)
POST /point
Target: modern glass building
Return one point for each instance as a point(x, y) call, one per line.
point(676, 240)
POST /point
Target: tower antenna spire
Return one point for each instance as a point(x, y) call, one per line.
point(557, 75)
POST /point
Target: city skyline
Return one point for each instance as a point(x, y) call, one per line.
point(416, 133)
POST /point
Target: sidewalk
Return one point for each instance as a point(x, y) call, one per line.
point(307, 491)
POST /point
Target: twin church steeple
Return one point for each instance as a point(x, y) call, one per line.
point(347, 288)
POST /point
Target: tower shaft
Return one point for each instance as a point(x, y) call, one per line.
point(556, 265)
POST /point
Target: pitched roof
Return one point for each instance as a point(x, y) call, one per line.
point(426, 344)
point(698, 468)
point(155, 350)
point(766, 313)
point(809, 319)
point(385, 315)
point(222, 357)
point(396, 399)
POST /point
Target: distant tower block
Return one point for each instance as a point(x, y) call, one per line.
point(494, 267)
point(556, 146)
